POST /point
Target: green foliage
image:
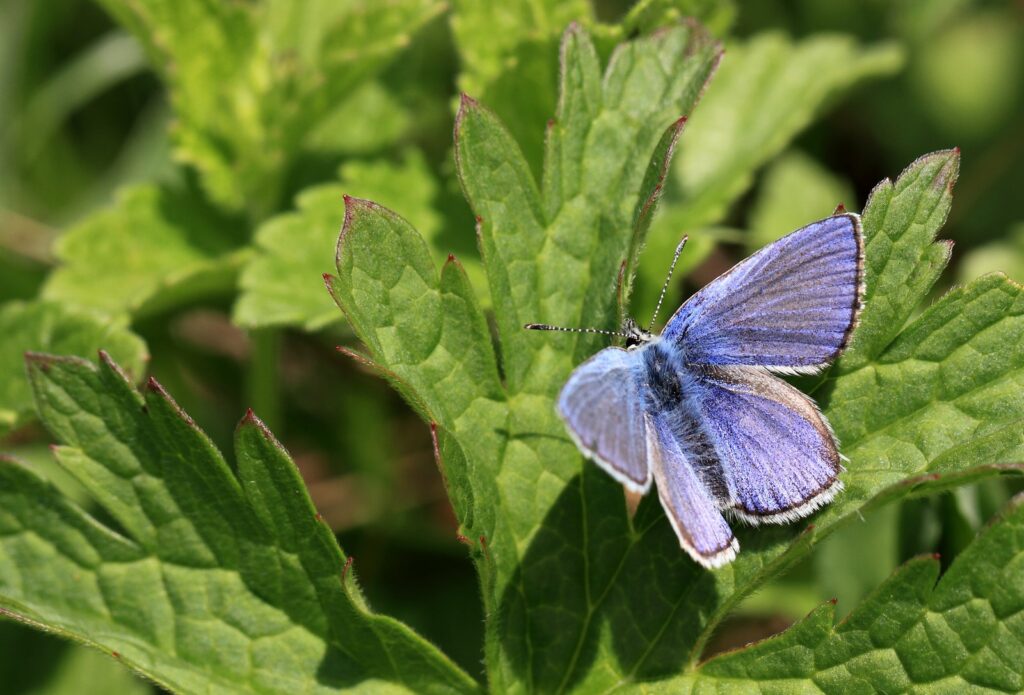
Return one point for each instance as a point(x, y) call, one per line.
point(154, 248)
point(39, 326)
point(560, 561)
point(516, 43)
point(205, 575)
point(911, 634)
point(767, 91)
point(283, 284)
point(250, 82)
point(218, 582)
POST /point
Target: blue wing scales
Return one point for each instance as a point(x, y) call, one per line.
point(603, 408)
point(777, 455)
point(688, 500)
point(790, 307)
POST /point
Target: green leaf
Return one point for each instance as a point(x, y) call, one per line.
point(503, 49)
point(369, 120)
point(551, 256)
point(283, 282)
point(250, 82)
point(218, 582)
point(911, 634)
point(153, 249)
point(902, 260)
point(552, 253)
point(795, 189)
point(767, 91)
point(36, 326)
point(580, 596)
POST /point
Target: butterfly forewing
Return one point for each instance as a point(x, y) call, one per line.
point(789, 307)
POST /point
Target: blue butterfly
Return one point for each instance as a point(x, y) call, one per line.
point(697, 410)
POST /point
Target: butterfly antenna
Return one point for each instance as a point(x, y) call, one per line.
point(664, 288)
point(546, 327)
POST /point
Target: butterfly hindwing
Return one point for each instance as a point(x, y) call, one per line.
point(603, 408)
point(789, 307)
point(689, 503)
point(777, 454)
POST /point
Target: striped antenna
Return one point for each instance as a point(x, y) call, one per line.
point(664, 288)
point(546, 327)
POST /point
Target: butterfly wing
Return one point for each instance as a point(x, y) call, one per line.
point(686, 496)
point(603, 409)
point(789, 307)
point(777, 454)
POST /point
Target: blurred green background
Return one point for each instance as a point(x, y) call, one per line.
point(83, 114)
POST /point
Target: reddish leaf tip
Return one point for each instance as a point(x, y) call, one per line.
point(451, 257)
point(956, 151)
point(479, 220)
point(833, 600)
point(467, 102)
point(840, 209)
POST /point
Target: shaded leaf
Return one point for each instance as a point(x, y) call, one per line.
point(35, 326)
point(155, 248)
point(283, 282)
point(911, 634)
point(218, 583)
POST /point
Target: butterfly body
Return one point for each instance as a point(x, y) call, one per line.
point(697, 411)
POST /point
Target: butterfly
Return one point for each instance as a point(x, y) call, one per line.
point(698, 411)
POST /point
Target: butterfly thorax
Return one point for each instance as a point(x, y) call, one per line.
point(635, 335)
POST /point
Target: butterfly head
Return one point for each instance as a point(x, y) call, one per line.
point(634, 334)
